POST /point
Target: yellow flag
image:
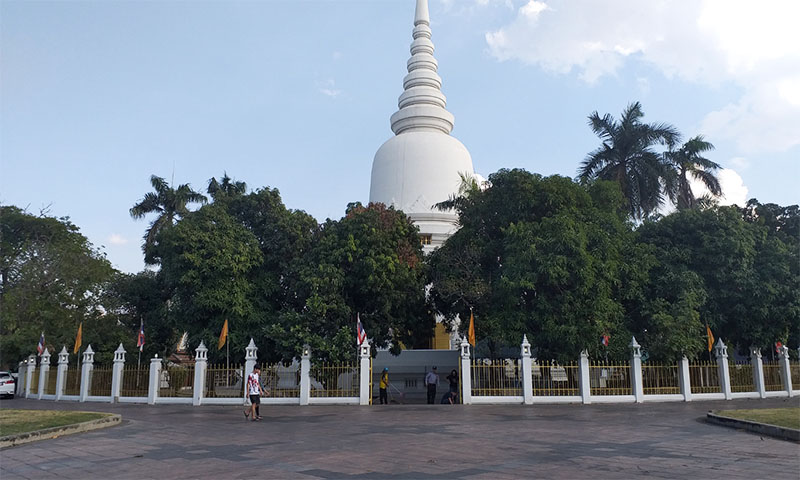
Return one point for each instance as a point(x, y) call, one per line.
point(223, 335)
point(471, 334)
point(78, 339)
point(710, 338)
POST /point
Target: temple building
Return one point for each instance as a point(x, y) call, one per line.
point(420, 165)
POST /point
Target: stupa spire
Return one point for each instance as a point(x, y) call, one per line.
point(422, 103)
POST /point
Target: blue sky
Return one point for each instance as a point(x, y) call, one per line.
point(97, 96)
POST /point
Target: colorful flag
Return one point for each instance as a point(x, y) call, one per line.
point(40, 347)
point(223, 335)
point(604, 340)
point(78, 339)
point(471, 332)
point(140, 338)
point(362, 335)
point(778, 346)
point(710, 338)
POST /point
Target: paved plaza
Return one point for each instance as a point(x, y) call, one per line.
point(654, 440)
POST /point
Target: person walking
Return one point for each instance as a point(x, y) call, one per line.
point(384, 384)
point(432, 381)
point(453, 379)
point(255, 391)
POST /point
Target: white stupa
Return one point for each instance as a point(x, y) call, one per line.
point(420, 165)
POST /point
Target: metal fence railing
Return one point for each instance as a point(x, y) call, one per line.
point(773, 377)
point(35, 381)
point(135, 381)
point(335, 380)
point(224, 381)
point(553, 379)
point(496, 378)
point(606, 378)
point(176, 382)
point(100, 383)
point(741, 374)
point(704, 377)
point(72, 383)
point(50, 382)
point(660, 379)
point(281, 381)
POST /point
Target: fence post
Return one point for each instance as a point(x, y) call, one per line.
point(250, 358)
point(29, 375)
point(154, 382)
point(22, 375)
point(44, 371)
point(786, 372)
point(686, 379)
point(758, 371)
point(305, 375)
point(86, 372)
point(527, 371)
point(61, 378)
point(637, 383)
point(200, 365)
point(365, 390)
point(466, 374)
point(586, 386)
point(117, 372)
point(721, 352)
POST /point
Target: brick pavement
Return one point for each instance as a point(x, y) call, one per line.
point(666, 440)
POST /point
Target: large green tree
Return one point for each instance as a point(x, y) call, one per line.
point(537, 256)
point(627, 157)
point(51, 279)
point(689, 163)
point(169, 204)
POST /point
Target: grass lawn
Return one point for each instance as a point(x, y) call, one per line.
point(782, 417)
point(20, 421)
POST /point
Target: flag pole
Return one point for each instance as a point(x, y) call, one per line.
point(138, 367)
point(227, 361)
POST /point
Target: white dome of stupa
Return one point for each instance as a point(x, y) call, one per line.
point(421, 165)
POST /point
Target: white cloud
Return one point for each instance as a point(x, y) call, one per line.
point(117, 239)
point(328, 88)
point(755, 45)
point(740, 163)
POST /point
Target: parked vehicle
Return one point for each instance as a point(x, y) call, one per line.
point(7, 384)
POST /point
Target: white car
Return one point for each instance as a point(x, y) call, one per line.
point(7, 384)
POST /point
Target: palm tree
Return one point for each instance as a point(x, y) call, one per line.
point(688, 162)
point(168, 203)
point(627, 156)
point(225, 187)
point(467, 186)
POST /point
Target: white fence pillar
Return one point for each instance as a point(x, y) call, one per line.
point(305, 375)
point(154, 382)
point(721, 352)
point(86, 372)
point(29, 375)
point(637, 382)
point(22, 375)
point(63, 365)
point(586, 386)
point(250, 359)
point(365, 374)
point(786, 372)
point(200, 366)
point(44, 372)
point(758, 371)
point(117, 370)
point(527, 371)
point(686, 382)
point(466, 374)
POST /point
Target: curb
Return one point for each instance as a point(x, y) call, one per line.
point(47, 433)
point(774, 431)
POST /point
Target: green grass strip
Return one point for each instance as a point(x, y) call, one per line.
point(782, 417)
point(14, 422)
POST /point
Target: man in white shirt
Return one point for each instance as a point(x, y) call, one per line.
point(255, 391)
point(432, 381)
